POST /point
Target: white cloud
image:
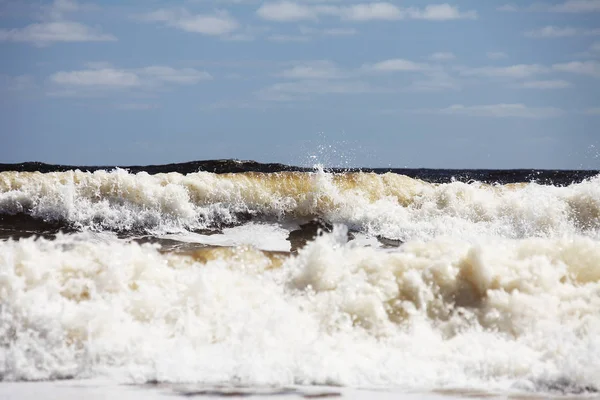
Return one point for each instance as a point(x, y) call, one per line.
point(112, 78)
point(441, 12)
point(551, 32)
point(397, 65)
point(286, 11)
point(314, 70)
point(496, 55)
point(557, 32)
point(107, 77)
point(182, 76)
point(325, 77)
point(499, 111)
point(47, 32)
point(513, 71)
point(548, 84)
point(524, 71)
point(217, 24)
point(430, 78)
point(53, 27)
point(591, 68)
point(442, 56)
point(310, 31)
point(208, 24)
point(371, 11)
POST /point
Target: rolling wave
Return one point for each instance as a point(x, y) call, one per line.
point(234, 272)
point(392, 205)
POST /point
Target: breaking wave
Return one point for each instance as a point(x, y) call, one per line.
point(391, 205)
point(350, 278)
point(516, 314)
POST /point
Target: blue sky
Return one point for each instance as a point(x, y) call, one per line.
point(464, 84)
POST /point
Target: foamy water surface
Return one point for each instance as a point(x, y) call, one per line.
point(492, 287)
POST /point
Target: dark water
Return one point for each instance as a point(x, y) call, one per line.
point(544, 177)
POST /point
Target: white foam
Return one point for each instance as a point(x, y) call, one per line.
point(105, 389)
point(498, 314)
point(391, 205)
point(270, 237)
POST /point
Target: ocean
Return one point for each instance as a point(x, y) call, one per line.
point(233, 278)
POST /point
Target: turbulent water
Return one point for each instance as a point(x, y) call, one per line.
point(397, 279)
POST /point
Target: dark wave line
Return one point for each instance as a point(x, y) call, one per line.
point(545, 177)
point(23, 226)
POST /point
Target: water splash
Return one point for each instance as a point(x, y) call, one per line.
point(328, 151)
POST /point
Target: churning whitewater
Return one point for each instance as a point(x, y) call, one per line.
point(489, 286)
point(390, 205)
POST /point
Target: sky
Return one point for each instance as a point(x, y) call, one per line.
point(417, 84)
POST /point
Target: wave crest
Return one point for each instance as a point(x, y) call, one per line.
point(391, 205)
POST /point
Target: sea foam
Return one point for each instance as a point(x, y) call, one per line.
point(508, 314)
point(390, 205)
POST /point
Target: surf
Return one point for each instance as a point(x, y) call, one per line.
point(261, 276)
point(390, 205)
point(504, 314)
